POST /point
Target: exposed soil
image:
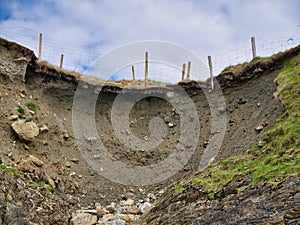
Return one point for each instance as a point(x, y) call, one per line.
point(249, 103)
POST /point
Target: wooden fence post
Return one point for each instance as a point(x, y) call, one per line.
point(211, 72)
point(253, 47)
point(40, 47)
point(133, 76)
point(146, 69)
point(188, 71)
point(61, 60)
point(183, 72)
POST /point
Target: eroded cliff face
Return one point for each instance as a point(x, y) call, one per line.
point(65, 182)
point(14, 60)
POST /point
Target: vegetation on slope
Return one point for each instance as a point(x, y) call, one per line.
point(275, 159)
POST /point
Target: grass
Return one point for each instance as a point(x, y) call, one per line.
point(21, 111)
point(31, 106)
point(42, 184)
point(8, 169)
point(276, 160)
point(122, 82)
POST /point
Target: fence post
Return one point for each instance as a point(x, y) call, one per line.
point(133, 76)
point(61, 60)
point(146, 69)
point(183, 72)
point(211, 72)
point(40, 47)
point(188, 70)
point(253, 47)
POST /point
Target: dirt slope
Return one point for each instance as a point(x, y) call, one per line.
point(248, 95)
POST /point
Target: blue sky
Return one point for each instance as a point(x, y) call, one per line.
point(205, 27)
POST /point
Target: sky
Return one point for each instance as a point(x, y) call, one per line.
point(91, 27)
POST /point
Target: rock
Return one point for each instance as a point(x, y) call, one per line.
point(167, 119)
point(151, 196)
point(44, 128)
point(205, 143)
point(36, 161)
point(26, 131)
point(65, 134)
point(129, 202)
point(222, 109)
point(111, 208)
point(75, 160)
point(51, 182)
point(90, 211)
point(258, 70)
point(68, 164)
point(71, 200)
point(260, 127)
point(171, 125)
point(91, 139)
point(26, 147)
point(242, 101)
point(13, 117)
point(98, 206)
point(84, 219)
point(136, 211)
point(20, 60)
point(162, 191)
point(107, 217)
point(72, 174)
point(127, 219)
point(293, 213)
point(115, 222)
point(25, 166)
point(145, 207)
point(261, 143)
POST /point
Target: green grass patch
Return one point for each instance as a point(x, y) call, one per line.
point(31, 106)
point(21, 110)
point(179, 189)
point(7, 169)
point(42, 184)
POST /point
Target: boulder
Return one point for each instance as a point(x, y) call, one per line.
point(84, 219)
point(26, 131)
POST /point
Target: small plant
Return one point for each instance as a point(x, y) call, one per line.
point(31, 106)
point(21, 111)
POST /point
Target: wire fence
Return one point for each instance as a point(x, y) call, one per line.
point(79, 57)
